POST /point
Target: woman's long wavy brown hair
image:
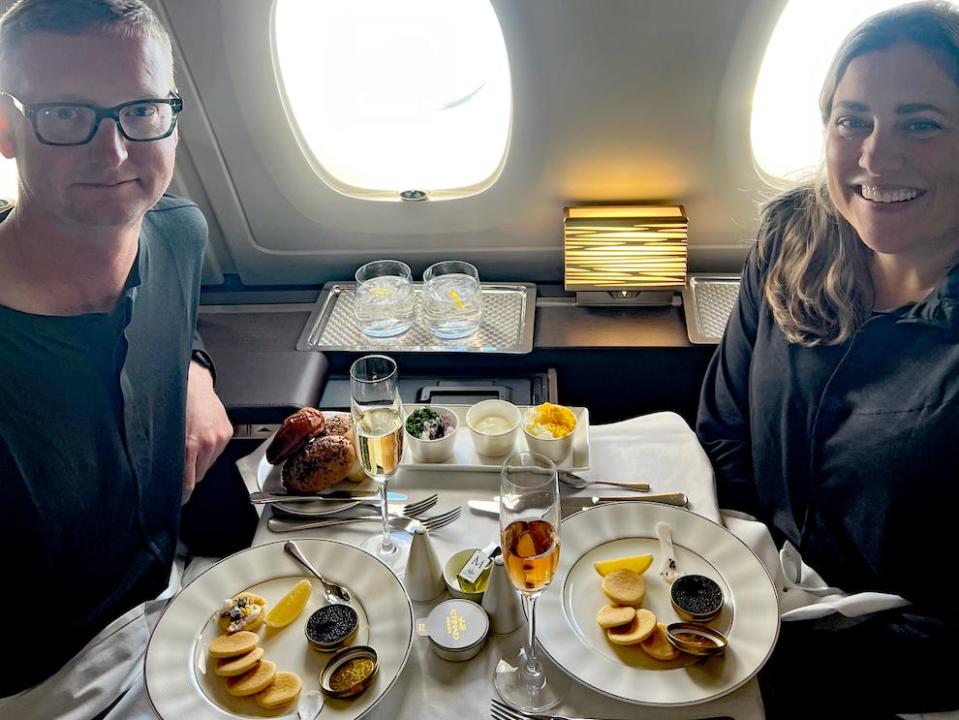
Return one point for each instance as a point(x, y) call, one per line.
point(818, 285)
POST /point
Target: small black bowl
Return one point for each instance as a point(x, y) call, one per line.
point(331, 626)
point(696, 598)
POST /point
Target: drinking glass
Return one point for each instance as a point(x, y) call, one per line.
point(378, 433)
point(529, 517)
point(384, 298)
point(452, 299)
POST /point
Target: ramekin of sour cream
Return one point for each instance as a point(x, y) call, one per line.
point(493, 426)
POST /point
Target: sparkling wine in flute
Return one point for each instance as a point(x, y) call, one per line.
point(531, 551)
point(379, 439)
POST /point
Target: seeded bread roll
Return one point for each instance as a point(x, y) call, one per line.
point(294, 433)
point(339, 424)
point(321, 464)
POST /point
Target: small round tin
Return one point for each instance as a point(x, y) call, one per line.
point(341, 685)
point(456, 629)
point(696, 639)
point(331, 626)
point(696, 598)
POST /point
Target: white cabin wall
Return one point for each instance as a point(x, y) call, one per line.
point(613, 100)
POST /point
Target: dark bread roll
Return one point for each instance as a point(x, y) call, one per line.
point(324, 462)
point(294, 433)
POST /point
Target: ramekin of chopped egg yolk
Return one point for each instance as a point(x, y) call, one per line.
point(550, 421)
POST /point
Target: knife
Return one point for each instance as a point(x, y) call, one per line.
point(570, 505)
point(261, 498)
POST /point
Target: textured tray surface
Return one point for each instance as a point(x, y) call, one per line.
point(508, 314)
point(708, 300)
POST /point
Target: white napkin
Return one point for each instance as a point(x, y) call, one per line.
point(248, 467)
point(659, 449)
point(803, 594)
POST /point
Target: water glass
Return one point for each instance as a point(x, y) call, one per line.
point(452, 300)
point(384, 298)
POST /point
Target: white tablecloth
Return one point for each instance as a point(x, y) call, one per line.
point(659, 449)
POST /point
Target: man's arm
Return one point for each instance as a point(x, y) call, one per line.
point(208, 429)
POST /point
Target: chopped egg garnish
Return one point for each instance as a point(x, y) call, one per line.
point(549, 421)
point(240, 612)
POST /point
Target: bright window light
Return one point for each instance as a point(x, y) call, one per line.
point(394, 96)
point(787, 132)
point(8, 179)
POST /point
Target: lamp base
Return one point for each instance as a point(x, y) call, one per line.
point(620, 298)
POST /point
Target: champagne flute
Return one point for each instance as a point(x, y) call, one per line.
point(378, 433)
point(529, 518)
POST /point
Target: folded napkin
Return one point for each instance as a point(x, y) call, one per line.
point(248, 467)
point(803, 594)
point(659, 449)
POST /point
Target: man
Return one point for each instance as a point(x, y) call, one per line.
point(105, 423)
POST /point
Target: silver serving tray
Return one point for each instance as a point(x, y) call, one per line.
point(509, 310)
point(707, 302)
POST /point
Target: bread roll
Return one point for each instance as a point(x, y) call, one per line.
point(321, 464)
point(339, 424)
point(294, 433)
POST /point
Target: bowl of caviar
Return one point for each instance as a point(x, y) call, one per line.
point(349, 672)
point(331, 626)
point(696, 598)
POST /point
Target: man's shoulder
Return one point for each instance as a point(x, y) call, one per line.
point(174, 206)
point(177, 220)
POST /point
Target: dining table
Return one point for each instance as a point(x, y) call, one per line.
point(659, 449)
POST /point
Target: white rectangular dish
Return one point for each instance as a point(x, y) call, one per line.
point(465, 456)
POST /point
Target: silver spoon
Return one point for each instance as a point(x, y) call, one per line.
point(575, 481)
point(335, 594)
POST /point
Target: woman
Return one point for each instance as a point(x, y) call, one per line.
point(831, 408)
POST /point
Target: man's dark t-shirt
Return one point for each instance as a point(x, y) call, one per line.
point(92, 427)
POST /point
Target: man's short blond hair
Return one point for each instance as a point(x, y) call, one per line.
point(124, 18)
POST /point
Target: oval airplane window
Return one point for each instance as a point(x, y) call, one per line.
point(786, 130)
point(391, 97)
point(8, 179)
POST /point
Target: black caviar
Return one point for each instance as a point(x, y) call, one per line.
point(331, 624)
point(697, 595)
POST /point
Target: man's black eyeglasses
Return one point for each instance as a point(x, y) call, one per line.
point(67, 123)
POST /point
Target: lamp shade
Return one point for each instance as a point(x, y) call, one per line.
point(625, 247)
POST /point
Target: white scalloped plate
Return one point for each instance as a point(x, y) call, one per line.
point(179, 678)
point(566, 612)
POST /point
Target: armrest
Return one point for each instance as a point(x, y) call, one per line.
point(266, 387)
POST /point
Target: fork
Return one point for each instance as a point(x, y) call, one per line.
point(411, 509)
point(406, 524)
point(501, 711)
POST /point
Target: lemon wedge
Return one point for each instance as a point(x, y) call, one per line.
point(290, 605)
point(636, 563)
point(454, 296)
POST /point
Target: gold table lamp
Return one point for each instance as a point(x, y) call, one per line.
point(625, 254)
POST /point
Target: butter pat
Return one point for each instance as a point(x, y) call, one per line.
point(476, 565)
point(493, 425)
